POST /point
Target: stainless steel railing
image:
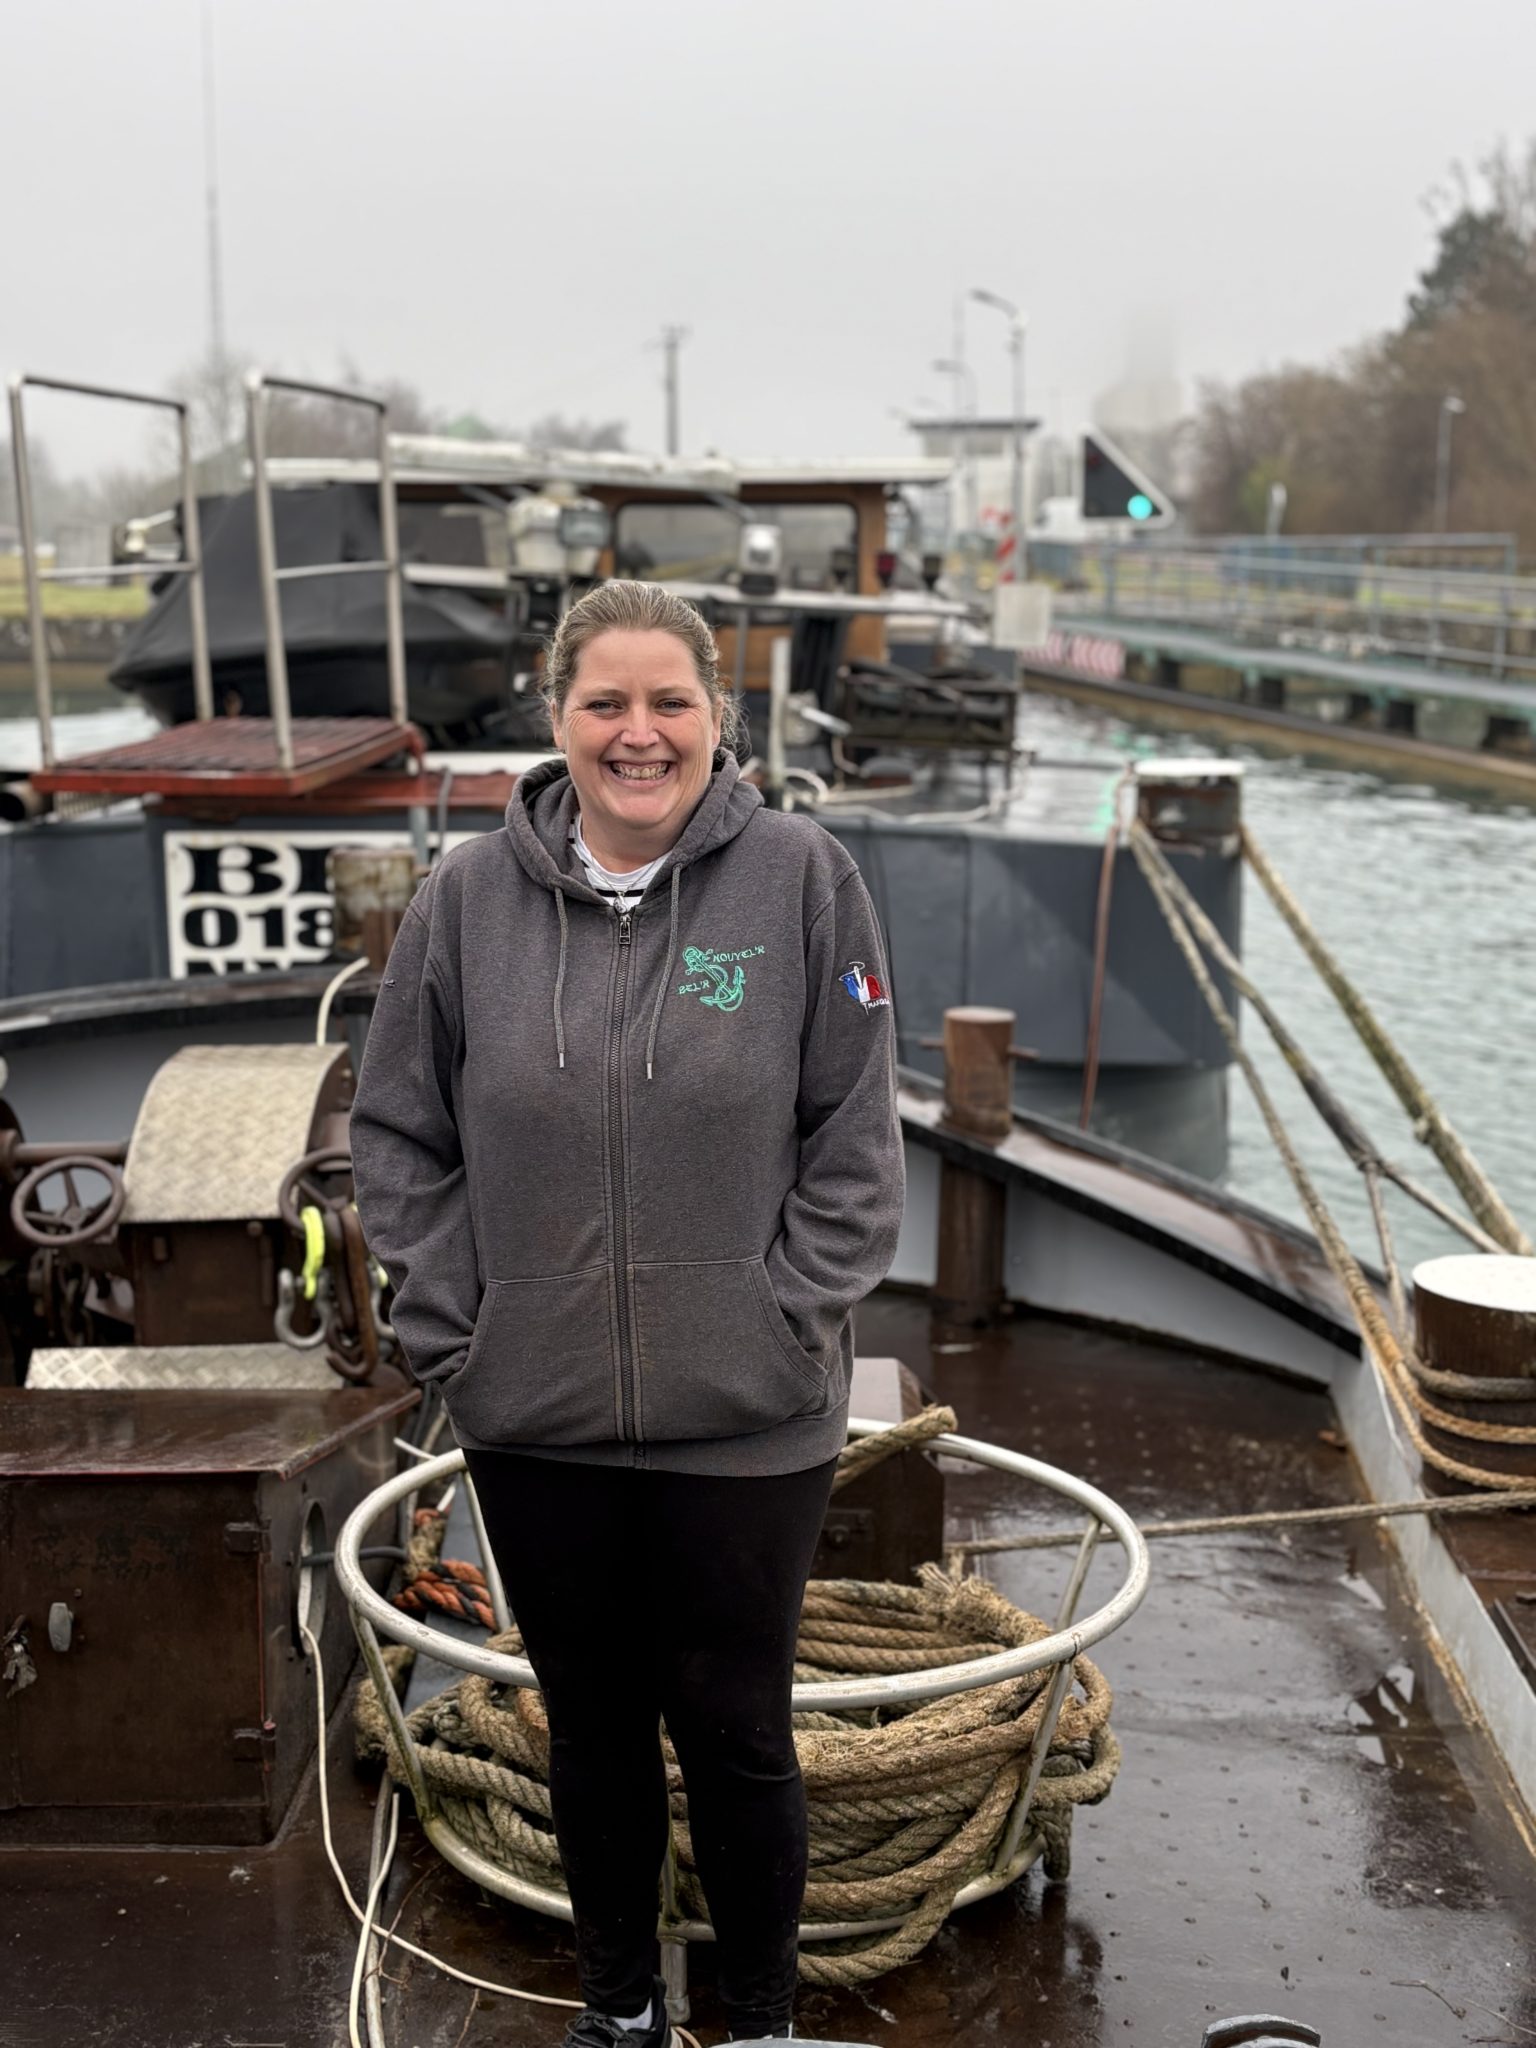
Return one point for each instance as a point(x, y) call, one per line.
point(257, 391)
point(190, 564)
point(374, 1617)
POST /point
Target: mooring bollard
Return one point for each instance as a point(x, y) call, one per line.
point(1475, 1314)
point(973, 1204)
point(1260, 2030)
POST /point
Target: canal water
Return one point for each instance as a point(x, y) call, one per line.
point(1426, 896)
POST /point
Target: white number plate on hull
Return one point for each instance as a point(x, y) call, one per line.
point(255, 902)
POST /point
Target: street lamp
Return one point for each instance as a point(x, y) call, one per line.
point(965, 403)
point(1450, 405)
point(1016, 327)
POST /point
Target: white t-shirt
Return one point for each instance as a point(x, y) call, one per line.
point(624, 890)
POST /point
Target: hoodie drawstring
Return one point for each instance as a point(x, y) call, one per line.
point(560, 974)
point(666, 972)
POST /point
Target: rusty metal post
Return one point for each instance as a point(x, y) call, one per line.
point(371, 887)
point(978, 1071)
point(973, 1205)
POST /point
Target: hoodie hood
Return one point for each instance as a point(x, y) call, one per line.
point(540, 814)
point(543, 808)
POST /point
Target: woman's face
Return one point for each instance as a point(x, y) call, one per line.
point(638, 729)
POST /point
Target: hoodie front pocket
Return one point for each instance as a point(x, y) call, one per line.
point(716, 1355)
point(541, 1366)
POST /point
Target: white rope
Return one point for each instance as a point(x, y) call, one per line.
point(323, 1021)
point(385, 1863)
point(365, 1919)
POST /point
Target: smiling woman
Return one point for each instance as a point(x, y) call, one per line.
point(631, 1158)
point(633, 685)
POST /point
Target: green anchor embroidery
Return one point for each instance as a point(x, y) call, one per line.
point(721, 990)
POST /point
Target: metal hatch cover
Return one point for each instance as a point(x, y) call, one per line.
point(220, 1125)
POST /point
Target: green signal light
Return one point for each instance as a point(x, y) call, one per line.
point(1141, 506)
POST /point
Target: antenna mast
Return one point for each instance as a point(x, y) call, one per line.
point(218, 358)
point(672, 339)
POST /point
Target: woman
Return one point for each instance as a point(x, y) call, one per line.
point(625, 1139)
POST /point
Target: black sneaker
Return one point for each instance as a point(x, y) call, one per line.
point(593, 2029)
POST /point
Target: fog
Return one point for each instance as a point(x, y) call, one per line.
point(504, 203)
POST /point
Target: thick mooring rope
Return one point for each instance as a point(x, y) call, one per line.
point(1280, 1519)
point(452, 1585)
point(907, 1806)
point(1391, 1354)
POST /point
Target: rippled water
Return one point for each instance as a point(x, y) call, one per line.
point(1427, 898)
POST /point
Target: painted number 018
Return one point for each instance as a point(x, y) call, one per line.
point(216, 928)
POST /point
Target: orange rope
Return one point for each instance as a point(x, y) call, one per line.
point(454, 1588)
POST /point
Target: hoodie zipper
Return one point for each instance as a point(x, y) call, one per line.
point(618, 1179)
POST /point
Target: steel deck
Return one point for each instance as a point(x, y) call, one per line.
point(1304, 1823)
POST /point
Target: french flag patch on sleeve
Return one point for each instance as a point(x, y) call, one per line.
point(865, 988)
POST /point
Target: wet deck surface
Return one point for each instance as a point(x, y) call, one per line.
point(1303, 1823)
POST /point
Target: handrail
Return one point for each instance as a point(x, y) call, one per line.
point(1439, 615)
point(1019, 1843)
point(837, 1695)
point(257, 387)
point(190, 565)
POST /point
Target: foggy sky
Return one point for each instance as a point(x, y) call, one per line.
point(503, 202)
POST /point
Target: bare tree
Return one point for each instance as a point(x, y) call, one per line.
point(551, 430)
point(213, 387)
point(556, 430)
point(1354, 443)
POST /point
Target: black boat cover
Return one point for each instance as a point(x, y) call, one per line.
point(322, 615)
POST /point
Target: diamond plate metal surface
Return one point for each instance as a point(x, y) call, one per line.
point(181, 1368)
point(219, 1127)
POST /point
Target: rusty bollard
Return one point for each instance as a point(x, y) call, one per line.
point(371, 887)
point(973, 1203)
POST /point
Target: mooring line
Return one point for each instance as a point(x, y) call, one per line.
point(1277, 1518)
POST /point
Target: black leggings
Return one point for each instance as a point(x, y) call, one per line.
point(649, 1595)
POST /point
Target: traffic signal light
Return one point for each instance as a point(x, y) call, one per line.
point(1114, 488)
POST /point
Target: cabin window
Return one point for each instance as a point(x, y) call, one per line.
point(701, 543)
point(450, 535)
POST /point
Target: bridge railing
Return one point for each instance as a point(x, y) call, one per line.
point(1335, 595)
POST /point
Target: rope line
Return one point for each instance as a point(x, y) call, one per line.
point(1431, 1126)
point(1382, 1347)
point(1277, 1518)
point(862, 1453)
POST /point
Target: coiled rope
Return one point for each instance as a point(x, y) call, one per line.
point(451, 1585)
point(907, 1806)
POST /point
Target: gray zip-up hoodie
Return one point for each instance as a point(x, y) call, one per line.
point(630, 1174)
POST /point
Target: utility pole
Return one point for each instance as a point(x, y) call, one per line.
point(1450, 405)
point(218, 356)
point(971, 494)
point(966, 515)
point(672, 339)
point(1017, 325)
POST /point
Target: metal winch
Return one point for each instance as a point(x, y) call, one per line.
point(220, 1247)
